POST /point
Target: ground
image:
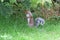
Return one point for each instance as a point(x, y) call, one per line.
point(18, 30)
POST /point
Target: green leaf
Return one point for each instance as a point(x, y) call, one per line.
point(5, 10)
point(12, 1)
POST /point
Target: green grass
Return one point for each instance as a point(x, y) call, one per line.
point(11, 29)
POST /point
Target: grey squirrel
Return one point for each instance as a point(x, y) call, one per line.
point(39, 21)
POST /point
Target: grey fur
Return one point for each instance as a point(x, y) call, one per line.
point(39, 21)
